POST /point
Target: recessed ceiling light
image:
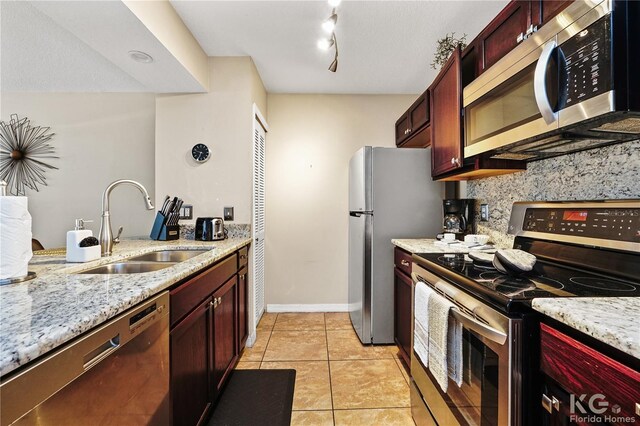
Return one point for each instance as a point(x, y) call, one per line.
point(330, 24)
point(334, 3)
point(138, 56)
point(325, 43)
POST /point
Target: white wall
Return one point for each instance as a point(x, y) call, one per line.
point(221, 119)
point(311, 140)
point(99, 138)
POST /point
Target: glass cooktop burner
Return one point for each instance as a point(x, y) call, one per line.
point(545, 280)
point(602, 284)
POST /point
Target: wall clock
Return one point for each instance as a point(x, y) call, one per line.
point(200, 152)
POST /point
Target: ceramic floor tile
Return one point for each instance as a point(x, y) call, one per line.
point(403, 370)
point(287, 345)
point(385, 416)
point(248, 365)
point(300, 321)
point(312, 418)
point(312, 388)
point(256, 352)
point(368, 384)
point(267, 321)
point(344, 344)
point(338, 321)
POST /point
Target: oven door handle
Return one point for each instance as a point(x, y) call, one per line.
point(483, 330)
point(540, 83)
point(471, 323)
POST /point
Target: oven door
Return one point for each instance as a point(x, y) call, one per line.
point(486, 393)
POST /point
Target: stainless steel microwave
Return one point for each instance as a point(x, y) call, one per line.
point(573, 85)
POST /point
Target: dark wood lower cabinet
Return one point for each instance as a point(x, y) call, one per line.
point(402, 311)
point(207, 334)
point(191, 395)
point(243, 293)
point(224, 333)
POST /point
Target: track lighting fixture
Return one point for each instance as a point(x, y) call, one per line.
point(329, 25)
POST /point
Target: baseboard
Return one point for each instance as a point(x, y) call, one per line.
point(321, 307)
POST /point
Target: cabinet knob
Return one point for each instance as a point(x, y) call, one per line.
point(213, 304)
point(638, 409)
point(242, 276)
point(520, 38)
point(555, 403)
point(404, 262)
point(455, 161)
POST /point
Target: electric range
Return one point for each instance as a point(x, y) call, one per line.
point(583, 249)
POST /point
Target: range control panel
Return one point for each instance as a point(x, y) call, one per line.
point(620, 224)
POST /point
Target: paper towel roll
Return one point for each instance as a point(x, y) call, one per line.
point(15, 237)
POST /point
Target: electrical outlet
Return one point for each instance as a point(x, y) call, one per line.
point(228, 213)
point(484, 212)
point(186, 211)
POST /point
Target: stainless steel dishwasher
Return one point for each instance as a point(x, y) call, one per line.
point(117, 374)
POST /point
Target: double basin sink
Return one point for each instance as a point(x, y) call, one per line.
point(148, 262)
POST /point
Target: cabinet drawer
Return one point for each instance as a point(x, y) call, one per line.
point(581, 369)
point(402, 260)
point(243, 257)
point(187, 296)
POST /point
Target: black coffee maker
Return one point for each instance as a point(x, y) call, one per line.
point(459, 217)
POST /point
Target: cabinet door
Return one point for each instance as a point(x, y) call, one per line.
point(501, 35)
point(543, 10)
point(224, 332)
point(402, 313)
point(419, 112)
point(403, 128)
point(243, 292)
point(190, 358)
point(446, 117)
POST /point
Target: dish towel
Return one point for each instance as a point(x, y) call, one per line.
point(445, 342)
point(421, 322)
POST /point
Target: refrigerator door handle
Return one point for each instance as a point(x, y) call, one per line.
point(359, 214)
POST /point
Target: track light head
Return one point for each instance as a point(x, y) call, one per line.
point(330, 24)
point(325, 43)
point(334, 65)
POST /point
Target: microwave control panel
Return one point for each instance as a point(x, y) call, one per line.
point(620, 224)
point(587, 57)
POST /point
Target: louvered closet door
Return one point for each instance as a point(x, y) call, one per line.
point(258, 228)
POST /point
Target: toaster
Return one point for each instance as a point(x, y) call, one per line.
point(210, 229)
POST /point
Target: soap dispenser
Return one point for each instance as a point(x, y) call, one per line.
point(76, 253)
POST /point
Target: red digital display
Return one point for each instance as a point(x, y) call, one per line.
point(574, 215)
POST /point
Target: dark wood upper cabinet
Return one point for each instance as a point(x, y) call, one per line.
point(411, 126)
point(446, 117)
point(543, 10)
point(505, 32)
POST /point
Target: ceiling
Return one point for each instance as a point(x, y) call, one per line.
point(385, 46)
point(82, 46)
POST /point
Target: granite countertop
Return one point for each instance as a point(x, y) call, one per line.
point(426, 245)
point(612, 320)
point(40, 315)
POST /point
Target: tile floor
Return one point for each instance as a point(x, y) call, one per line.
point(339, 381)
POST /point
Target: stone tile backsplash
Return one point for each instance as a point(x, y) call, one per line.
point(611, 172)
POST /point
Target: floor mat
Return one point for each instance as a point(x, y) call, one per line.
point(255, 398)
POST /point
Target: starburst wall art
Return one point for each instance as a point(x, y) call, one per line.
point(23, 149)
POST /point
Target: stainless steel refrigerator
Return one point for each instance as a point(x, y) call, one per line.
point(391, 195)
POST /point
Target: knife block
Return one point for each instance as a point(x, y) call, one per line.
point(163, 232)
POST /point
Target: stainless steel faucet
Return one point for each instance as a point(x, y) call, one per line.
point(106, 235)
